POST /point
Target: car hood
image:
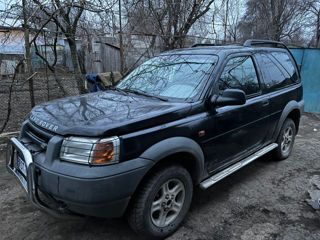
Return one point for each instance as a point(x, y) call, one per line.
point(105, 113)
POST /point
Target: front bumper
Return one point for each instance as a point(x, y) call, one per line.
point(30, 182)
point(102, 192)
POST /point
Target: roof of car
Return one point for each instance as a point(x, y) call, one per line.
point(221, 50)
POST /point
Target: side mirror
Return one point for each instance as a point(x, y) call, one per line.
point(230, 97)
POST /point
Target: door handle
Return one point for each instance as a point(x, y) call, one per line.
point(265, 103)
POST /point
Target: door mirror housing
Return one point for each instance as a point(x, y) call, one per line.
point(229, 97)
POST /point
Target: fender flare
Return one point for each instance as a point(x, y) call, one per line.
point(292, 105)
point(173, 145)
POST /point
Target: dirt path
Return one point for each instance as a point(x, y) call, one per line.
point(265, 200)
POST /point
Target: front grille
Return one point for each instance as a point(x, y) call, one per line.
point(37, 135)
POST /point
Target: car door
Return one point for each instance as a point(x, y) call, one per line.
point(236, 131)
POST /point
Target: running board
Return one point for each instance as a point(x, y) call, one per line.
point(235, 167)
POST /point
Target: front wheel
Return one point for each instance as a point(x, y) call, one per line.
point(162, 202)
point(286, 139)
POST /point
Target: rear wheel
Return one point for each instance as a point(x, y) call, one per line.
point(162, 202)
point(286, 139)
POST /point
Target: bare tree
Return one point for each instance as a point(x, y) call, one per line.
point(10, 90)
point(314, 23)
point(225, 20)
point(52, 65)
point(272, 19)
point(28, 53)
point(12, 16)
point(171, 20)
point(234, 19)
point(66, 16)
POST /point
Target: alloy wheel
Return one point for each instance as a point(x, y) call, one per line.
point(287, 139)
point(167, 203)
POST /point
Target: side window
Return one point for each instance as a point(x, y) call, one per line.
point(285, 61)
point(273, 77)
point(240, 73)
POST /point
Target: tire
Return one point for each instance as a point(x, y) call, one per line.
point(169, 207)
point(285, 139)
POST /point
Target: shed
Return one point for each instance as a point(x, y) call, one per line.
point(105, 57)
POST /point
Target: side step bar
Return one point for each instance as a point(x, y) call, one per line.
point(235, 167)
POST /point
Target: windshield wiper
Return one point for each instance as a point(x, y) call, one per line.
point(144, 94)
point(116, 89)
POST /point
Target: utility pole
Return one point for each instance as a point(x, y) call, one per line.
point(226, 21)
point(28, 54)
point(121, 41)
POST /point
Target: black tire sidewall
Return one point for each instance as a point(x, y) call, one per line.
point(170, 173)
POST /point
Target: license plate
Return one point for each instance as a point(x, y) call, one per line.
point(21, 166)
point(21, 171)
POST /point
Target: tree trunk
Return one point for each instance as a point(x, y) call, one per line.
point(76, 66)
point(121, 41)
point(28, 54)
point(65, 91)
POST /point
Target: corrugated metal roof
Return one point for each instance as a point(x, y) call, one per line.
point(12, 49)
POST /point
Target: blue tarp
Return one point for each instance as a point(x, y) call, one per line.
point(309, 60)
point(95, 82)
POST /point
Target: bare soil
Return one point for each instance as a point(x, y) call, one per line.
point(264, 200)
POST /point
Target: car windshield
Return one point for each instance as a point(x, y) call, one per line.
point(174, 76)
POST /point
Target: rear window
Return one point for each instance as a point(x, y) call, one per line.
point(285, 62)
point(274, 74)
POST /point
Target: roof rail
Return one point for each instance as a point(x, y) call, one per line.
point(251, 42)
point(203, 45)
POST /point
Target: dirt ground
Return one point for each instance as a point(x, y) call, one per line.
point(265, 200)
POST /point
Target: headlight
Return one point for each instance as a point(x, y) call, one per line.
point(90, 150)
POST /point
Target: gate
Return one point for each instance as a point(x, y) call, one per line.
point(309, 61)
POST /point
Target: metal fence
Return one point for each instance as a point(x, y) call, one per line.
point(309, 61)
